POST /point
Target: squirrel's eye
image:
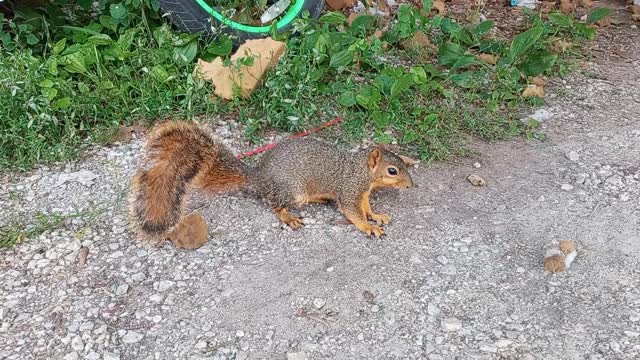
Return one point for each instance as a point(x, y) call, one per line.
point(392, 171)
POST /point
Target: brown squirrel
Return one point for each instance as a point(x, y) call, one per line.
point(181, 155)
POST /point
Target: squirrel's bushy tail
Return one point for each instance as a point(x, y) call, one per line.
point(180, 156)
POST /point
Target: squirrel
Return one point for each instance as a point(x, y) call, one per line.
point(183, 156)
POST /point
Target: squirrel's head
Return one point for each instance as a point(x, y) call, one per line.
point(388, 169)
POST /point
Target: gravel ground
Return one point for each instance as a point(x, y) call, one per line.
point(458, 276)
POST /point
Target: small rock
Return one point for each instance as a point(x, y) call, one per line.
point(330, 269)
point(165, 285)
point(540, 116)
point(157, 298)
point(432, 309)
point(122, 289)
point(71, 356)
point(318, 303)
point(632, 334)
point(573, 156)
point(451, 324)
point(566, 187)
point(132, 337)
point(449, 269)
point(244, 346)
point(390, 317)
point(110, 356)
point(239, 333)
point(297, 356)
point(488, 348)
point(138, 277)
point(201, 345)
point(442, 260)
point(360, 337)
point(520, 270)
point(503, 343)
point(92, 356)
point(77, 344)
point(624, 197)
point(476, 180)
point(375, 308)
point(477, 165)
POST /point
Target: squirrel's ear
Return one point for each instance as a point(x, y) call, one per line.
point(375, 156)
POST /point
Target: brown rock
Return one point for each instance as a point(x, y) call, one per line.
point(190, 233)
point(635, 12)
point(533, 90)
point(340, 4)
point(585, 3)
point(559, 46)
point(440, 7)
point(476, 180)
point(539, 81)
point(567, 6)
point(265, 53)
point(547, 6)
point(418, 41)
point(488, 58)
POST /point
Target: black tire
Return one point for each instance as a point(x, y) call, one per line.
point(189, 17)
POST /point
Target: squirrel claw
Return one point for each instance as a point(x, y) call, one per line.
point(381, 219)
point(294, 222)
point(374, 230)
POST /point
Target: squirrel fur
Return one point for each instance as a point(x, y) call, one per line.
point(182, 156)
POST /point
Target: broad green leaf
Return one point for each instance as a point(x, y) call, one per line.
point(159, 73)
point(46, 83)
point(491, 47)
point(525, 41)
point(537, 64)
point(118, 11)
point(62, 104)
point(561, 20)
point(185, 54)
point(342, 58)
point(597, 15)
point(106, 85)
point(109, 23)
point(449, 53)
point(482, 28)
point(332, 18)
point(53, 66)
point(74, 63)
point(419, 75)
point(101, 39)
point(427, 5)
point(221, 47)
point(347, 99)
point(32, 39)
point(59, 46)
point(50, 93)
point(463, 62)
point(360, 25)
point(369, 97)
point(465, 79)
point(401, 84)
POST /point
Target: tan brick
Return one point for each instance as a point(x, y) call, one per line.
point(265, 53)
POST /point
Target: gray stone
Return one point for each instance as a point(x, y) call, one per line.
point(132, 337)
point(165, 285)
point(451, 324)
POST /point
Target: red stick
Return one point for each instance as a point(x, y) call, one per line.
point(304, 133)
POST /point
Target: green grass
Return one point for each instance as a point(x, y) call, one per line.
point(19, 231)
point(66, 83)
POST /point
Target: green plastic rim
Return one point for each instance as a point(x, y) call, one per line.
point(289, 16)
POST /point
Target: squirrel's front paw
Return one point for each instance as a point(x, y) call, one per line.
point(381, 218)
point(374, 230)
point(292, 221)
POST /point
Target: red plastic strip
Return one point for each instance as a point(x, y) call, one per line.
point(304, 133)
